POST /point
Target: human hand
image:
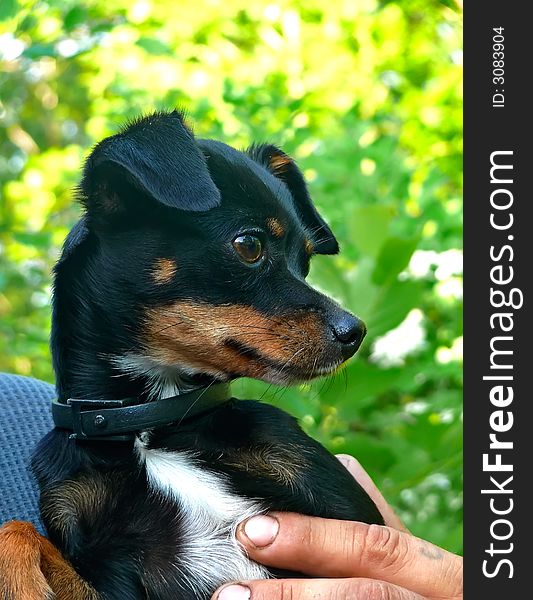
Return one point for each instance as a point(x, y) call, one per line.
point(346, 559)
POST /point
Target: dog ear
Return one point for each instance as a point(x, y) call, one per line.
point(154, 157)
point(283, 167)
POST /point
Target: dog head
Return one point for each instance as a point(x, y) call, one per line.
point(191, 261)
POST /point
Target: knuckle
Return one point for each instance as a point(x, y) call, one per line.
point(384, 546)
point(371, 589)
point(315, 533)
point(285, 590)
point(454, 575)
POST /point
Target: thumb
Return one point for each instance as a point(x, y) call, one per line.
point(363, 478)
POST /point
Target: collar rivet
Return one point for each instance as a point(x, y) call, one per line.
point(100, 422)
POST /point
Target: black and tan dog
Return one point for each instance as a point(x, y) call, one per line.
point(186, 272)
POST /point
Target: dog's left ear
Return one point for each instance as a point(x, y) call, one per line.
point(153, 158)
point(282, 166)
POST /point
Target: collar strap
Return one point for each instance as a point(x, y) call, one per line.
point(119, 420)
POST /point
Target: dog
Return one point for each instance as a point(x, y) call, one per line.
point(186, 272)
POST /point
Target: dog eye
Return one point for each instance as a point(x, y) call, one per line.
point(249, 248)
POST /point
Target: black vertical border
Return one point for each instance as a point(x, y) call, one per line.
point(488, 129)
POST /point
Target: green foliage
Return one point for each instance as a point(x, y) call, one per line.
point(366, 96)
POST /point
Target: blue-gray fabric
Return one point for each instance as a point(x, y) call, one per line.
point(25, 417)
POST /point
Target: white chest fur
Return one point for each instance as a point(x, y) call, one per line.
point(210, 555)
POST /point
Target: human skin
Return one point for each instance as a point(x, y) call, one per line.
point(346, 559)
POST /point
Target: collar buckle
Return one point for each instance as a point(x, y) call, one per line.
point(81, 406)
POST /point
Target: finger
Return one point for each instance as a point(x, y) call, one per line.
point(331, 548)
point(363, 478)
point(318, 589)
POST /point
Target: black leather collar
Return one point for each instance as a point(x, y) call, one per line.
point(119, 420)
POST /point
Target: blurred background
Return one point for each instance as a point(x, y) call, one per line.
point(366, 95)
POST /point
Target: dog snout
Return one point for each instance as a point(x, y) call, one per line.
point(349, 331)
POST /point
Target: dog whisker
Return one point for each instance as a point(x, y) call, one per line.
point(194, 403)
point(286, 364)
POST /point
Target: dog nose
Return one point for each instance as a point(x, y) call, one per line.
point(349, 331)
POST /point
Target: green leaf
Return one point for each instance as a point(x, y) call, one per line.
point(371, 452)
point(393, 305)
point(329, 278)
point(370, 226)
point(365, 382)
point(40, 239)
point(154, 46)
point(393, 258)
point(412, 470)
point(362, 293)
point(40, 50)
point(8, 9)
point(75, 16)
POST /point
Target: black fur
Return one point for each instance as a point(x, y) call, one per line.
point(153, 193)
point(155, 157)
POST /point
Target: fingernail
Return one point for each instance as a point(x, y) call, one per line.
point(346, 460)
point(234, 592)
point(343, 461)
point(261, 530)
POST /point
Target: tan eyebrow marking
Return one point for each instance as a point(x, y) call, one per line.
point(278, 163)
point(275, 227)
point(164, 271)
point(309, 247)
